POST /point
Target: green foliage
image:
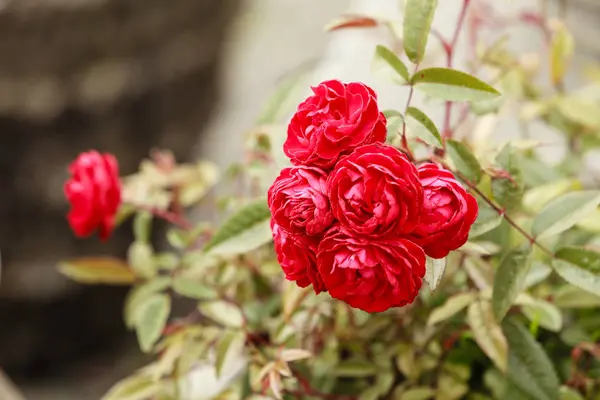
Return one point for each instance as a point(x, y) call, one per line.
point(418, 15)
point(511, 315)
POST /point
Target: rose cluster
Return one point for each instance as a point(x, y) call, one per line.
point(354, 216)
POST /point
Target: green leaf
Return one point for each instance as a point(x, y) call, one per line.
point(417, 393)
point(138, 295)
point(142, 226)
point(246, 230)
point(222, 312)
point(151, 319)
point(464, 161)
point(569, 296)
point(422, 127)
point(385, 61)
point(451, 307)
point(564, 212)
point(566, 393)
point(509, 280)
point(354, 369)
point(487, 332)
point(434, 271)
point(188, 287)
point(544, 314)
point(582, 111)
point(537, 273)
point(580, 267)
point(141, 258)
point(136, 387)
point(452, 85)
point(535, 199)
point(395, 121)
point(508, 191)
point(561, 50)
point(487, 219)
point(418, 15)
point(230, 342)
point(98, 270)
point(529, 368)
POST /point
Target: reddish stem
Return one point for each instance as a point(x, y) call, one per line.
point(165, 215)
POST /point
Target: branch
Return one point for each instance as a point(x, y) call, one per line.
point(165, 215)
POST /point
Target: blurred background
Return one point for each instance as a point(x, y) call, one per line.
point(128, 75)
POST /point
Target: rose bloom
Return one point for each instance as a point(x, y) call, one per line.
point(335, 120)
point(376, 191)
point(297, 256)
point(94, 192)
point(448, 212)
point(368, 273)
point(298, 201)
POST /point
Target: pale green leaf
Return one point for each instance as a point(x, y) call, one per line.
point(231, 341)
point(569, 296)
point(537, 274)
point(452, 85)
point(98, 270)
point(464, 161)
point(222, 312)
point(135, 387)
point(580, 267)
point(394, 124)
point(418, 15)
point(417, 393)
point(487, 219)
point(567, 393)
point(536, 198)
point(451, 307)
point(508, 191)
point(386, 63)
point(422, 127)
point(141, 259)
point(142, 226)
point(189, 287)
point(280, 102)
point(354, 369)
point(564, 212)
point(529, 367)
point(561, 51)
point(151, 319)
point(138, 294)
point(582, 111)
point(510, 280)
point(434, 271)
point(487, 332)
point(245, 230)
point(545, 314)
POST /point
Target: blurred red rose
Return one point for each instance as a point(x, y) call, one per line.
point(335, 120)
point(368, 273)
point(94, 192)
point(298, 201)
point(297, 256)
point(448, 212)
point(376, 191)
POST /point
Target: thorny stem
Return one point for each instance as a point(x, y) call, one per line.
point(501, 211)
point(449, 48)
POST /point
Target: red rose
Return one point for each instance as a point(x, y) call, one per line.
point(368, 273)
point(338, 118)
point(297, 256)
point(94, 192)
point(298, 201)
point(448, 212)
point(376, 191)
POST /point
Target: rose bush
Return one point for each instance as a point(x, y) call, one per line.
point(336, 119)
point(506, 242)
point(94, 193)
